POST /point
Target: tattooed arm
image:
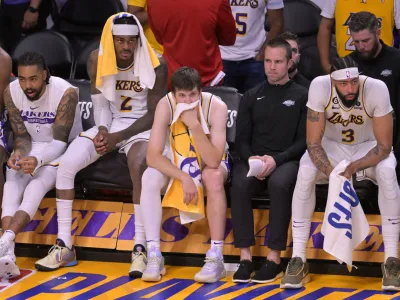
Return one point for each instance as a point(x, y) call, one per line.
point(315, 132)
point(383, 131)
point(62, 126)
point(22, 138)
point(154, 96)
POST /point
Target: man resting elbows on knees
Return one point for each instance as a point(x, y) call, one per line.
point(186, 88)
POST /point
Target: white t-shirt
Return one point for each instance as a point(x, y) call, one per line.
point(328, 10)
point(350, 125)
point(250, 33)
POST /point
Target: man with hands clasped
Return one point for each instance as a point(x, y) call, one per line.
point(270, 127)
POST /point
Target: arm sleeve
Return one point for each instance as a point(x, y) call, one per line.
point(297, 149)
point(275, 4)
point(328, 10)
point(377, 99)
point(101, 111)
point(51, 152)
point(244, 127)
point(226, 26)
point(138, 3)
point(319, 93)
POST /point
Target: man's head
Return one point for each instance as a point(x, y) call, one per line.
point(344, 73)
point(365, 32)
point(294, 43)
point(186, 85)
point(278, 60)
point(126, 34)
point(33, 75)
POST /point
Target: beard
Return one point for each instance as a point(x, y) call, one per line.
point(294, 66)
point(36, 93)
point(368, 55)
point(348, 103)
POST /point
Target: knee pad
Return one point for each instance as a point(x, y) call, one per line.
point(387, 181)
point(67, 171)
point(305, 184)
point(11, 198)
point(152, 180)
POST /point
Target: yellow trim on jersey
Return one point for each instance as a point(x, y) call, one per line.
point(172, 108)
point(363, 97)
point(126, 70)
point(84, 136)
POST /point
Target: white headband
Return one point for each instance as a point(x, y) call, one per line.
point(125, 29)
point(344, 74)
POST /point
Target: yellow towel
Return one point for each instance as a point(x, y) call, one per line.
point(185, 156)
point(145, 60)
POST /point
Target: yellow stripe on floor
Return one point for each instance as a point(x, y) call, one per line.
point(101, 281)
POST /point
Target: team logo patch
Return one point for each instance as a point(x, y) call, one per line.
point(347, 74)
point(7, 283)
point(289, 103)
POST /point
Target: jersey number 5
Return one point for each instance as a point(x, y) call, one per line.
point(241, 26)
point(125, 107)
point(348, 136)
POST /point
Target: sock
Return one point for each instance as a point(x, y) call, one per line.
point(140, 236)
point(64, 220)
point(301, 234)
point(9, 236)
point(219, 245)
point(390, 234)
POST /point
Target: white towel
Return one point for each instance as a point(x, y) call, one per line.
point(181, 107)
point(345, 225)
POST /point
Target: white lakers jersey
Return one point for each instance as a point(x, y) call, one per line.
point(39, 116)
point(349, 125)
point(250, 33)
point(131, 99)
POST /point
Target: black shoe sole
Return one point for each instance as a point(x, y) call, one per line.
point(135, 274)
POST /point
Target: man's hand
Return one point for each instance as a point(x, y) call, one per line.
point(100, 141)
point(28, 164)
point(30, 19)
point(13, 161)
point(268, 167)
point(189, 190)
point(348, 172)
point(190, 117)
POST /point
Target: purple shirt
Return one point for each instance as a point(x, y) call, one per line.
point(14, 2)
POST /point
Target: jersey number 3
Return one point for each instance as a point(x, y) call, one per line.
point(348, 136)
point(125, 107)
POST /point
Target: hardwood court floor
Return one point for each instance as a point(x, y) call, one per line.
point(101, 280)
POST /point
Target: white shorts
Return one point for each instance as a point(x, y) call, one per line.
point(118, 125)
point(337, 152)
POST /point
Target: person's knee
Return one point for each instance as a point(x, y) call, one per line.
point(69, 166)
point(10, 199)
point(387, 180)
point(33, 195)
point(137, 164)
point(285, 180)
point(213, 180)
point(152, 181)
point(305, 182)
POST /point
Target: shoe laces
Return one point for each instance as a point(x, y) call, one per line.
point(210, 263)
point(57, 250)
point(138, 255)
point(293, 266)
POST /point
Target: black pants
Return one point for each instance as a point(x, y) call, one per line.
point(280, 185)
point(11, 17)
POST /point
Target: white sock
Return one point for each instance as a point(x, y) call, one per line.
point(64, 220)
point(9, 236)
point(301, 234)
point(140, 236)
point(150, 206)
point(218, 245)
point(390, 234)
